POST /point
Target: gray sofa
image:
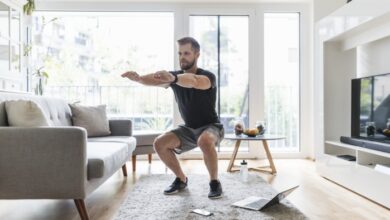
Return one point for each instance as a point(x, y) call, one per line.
point(58, 162)
point(145, 142)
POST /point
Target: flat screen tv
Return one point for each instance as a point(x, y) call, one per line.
point(371, 108)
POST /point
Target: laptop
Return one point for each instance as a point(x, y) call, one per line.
point(260, 203)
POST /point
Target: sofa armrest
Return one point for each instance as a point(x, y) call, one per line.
point(121, 127)
point(43, 163)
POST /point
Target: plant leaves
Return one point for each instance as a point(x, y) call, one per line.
point(45, 74)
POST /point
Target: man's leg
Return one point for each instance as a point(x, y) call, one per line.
point(164, 145)
point(206, 143)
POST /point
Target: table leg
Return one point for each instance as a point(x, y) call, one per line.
point(231, 163)
point(269, 156)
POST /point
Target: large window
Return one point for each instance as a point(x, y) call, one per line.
point(282, 78)
point(84, 54)
point(224, 42)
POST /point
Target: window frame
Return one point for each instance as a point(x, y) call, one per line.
point(255, 11)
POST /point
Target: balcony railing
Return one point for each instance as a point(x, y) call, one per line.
point(151, 108)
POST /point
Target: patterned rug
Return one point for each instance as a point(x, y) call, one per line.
point(147, 201)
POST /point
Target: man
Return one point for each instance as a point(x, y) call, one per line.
point(195, 93)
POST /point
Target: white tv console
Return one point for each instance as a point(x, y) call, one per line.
point(345, 42)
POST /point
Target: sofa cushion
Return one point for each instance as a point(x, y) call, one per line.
point(25, 113)
point(105, 158)
point(144, 149)
point(56, 110)
point(92, 118)
point(146, 138)
point(130, 141)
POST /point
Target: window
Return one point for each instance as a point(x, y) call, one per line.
point(84, 54)
point(282, 78)
point(224, 51)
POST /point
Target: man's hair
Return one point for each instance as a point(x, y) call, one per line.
point(189, 40)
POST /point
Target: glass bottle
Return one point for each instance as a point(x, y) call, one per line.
point(370, 128)
point(239, 126)
point(260, 125)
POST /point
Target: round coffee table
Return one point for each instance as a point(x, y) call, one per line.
point(264, 139)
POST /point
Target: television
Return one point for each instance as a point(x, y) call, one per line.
point(370, 115)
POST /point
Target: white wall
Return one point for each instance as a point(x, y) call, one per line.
point(372, 58)
point(323, 8)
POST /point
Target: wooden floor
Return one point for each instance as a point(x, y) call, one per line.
point(316, 197)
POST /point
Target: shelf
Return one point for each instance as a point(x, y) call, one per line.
point(373, 30)
point(353, 147)
point(357, 23)
point(370, 160)
point(347, 47)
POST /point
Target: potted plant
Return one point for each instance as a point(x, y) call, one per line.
point(29, 7)
point(42, 77)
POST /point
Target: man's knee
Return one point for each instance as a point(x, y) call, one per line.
point(158, 143)
point(163, 142)
point(206, 141)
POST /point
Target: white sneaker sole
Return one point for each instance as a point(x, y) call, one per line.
point(175, 192)
point(170, 193)
point(216, 197)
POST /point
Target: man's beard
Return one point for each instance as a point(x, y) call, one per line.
point(187, 66)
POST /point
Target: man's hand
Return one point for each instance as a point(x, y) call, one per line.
point(131, 75)
point(164, 76)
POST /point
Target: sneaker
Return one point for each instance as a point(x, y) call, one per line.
point(176, 186)
point(215, 189)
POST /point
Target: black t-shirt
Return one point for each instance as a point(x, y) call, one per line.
point(196, 106)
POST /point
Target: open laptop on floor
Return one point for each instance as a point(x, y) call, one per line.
point(260, 203)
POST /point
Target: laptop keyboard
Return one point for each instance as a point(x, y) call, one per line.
point(258, 204)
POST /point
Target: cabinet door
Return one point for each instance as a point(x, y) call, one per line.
point(4, 39)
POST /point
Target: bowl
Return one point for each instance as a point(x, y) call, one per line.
point(251, 132)
point(250, 135)
point(386, 132)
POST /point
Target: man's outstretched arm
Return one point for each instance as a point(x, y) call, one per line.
point(190, 80)
point(148, 79)
point(187, 80)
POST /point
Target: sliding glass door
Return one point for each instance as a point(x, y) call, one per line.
point(224, 42)
point(282, 78)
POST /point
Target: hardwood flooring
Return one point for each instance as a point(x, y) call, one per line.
point(317, 197)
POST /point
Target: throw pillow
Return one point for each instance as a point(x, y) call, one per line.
point(25, 113)
point(92, 118)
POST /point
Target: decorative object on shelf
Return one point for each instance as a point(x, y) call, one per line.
point(42, 77)
point(370, 128)
point(238, 126)
point(386, 132)
point(388, 123)
point(347, 157)
point(261, 125)
point(29, 7)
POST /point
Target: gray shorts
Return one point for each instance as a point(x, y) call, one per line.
point(189, 137)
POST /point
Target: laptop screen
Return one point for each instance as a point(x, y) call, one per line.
point(283, 194)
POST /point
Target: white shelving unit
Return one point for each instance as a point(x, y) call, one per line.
point(341, 40)
point(12, 75)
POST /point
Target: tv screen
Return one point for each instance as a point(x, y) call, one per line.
point(371, 108)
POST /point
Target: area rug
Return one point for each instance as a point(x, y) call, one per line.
point(147, 201)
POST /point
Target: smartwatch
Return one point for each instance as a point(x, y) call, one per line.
point(175, 80)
